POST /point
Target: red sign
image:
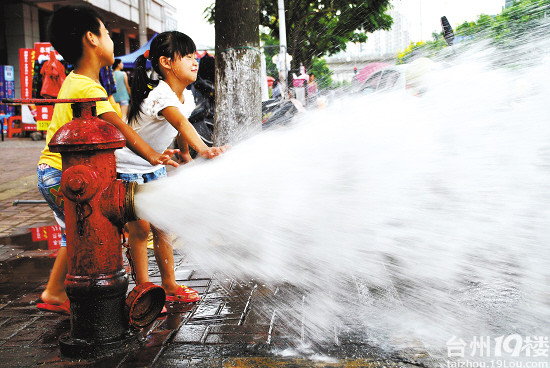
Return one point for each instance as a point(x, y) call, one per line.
point(26, 66)
point(54, 237)
point(39, 233)
point(42, 49)
point(50, 233)
point(44, 112)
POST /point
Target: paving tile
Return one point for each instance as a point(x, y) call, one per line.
point(180, 309)
point(236, 329)
point(142, 358)
point(54, 326)
point(198, 283)
point(25, 338)
point(158, 338)
point(54, 360)
point(22, 357)
point(4, 320)
point(191, 334)
point(10, 254)
point(186, 355)
point(200, 274)
point(177, 314)
point(208, 307)
point(183, 274)
point(235, 339)
point(13, 326)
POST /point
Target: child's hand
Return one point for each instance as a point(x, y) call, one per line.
point(212, 152)
point(184, 157)
point(165, 158)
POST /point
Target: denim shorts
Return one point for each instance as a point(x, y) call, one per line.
point(49, 179)
point(143, 178)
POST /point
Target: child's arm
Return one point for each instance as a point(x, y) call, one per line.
point(189, 134)
point(137, 144)
point(184, 155)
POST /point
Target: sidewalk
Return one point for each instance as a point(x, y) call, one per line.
point(226, 328)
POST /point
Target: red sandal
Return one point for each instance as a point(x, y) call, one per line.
point(64, 308)
point(183, 295)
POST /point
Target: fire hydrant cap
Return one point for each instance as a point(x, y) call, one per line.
point(85, 135)
point(144, 304)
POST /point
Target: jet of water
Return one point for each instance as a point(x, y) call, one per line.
point(407, 218)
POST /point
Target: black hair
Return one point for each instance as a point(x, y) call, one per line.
point(116, 63)
point(67, 27)
point(169, 44)
point(207, 68)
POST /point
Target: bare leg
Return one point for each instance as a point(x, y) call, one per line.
point(137, 241)
point(55, 289)
point(164, 254)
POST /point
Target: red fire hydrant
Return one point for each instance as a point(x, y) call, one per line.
point(97, 205)
point(96, 282)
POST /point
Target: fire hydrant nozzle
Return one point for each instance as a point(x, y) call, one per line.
point(129, 208)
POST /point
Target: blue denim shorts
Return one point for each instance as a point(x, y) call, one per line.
point(143, 178)
point(49, 179)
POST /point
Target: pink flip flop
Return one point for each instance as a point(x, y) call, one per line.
point(64, 308)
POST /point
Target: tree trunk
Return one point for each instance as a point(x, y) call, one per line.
point(238, 95)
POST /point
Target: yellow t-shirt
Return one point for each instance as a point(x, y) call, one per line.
point(74, 86)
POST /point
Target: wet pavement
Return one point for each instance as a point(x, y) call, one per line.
point(229, 327)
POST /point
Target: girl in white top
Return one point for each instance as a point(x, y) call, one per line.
point(158, 113)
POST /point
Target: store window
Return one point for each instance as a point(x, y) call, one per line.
point(118, 40)
point(43, 20)
point(134, 44)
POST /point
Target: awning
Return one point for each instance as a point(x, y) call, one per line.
point(129, 59)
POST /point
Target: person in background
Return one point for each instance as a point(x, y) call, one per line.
point(108, 82)
point(122, 94)
point(311, 90)
point(276, 90)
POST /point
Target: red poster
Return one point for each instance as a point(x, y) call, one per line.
point(26, 65)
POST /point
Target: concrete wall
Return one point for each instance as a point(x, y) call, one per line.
point(22, 31)
point(128, 9)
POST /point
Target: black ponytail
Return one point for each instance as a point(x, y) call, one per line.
point(140, 87)
point(169, 44)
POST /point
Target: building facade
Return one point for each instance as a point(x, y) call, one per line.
point(25, 22)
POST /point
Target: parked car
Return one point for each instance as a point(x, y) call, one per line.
point(386, 79)
point(410, 77)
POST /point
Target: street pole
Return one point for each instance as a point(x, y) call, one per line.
point(238, 93)
point(283, 47)
point(142, 23)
